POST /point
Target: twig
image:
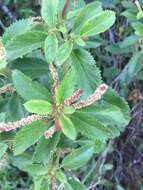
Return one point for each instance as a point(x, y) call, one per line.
point(65, 8)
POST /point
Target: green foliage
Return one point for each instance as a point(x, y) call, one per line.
point(98, 24)
point(16, 28)
point(51, 46)
point(38, 106)
point(29, 89)
point(28, 136)
point(64, 52)
point(3, 148)
point(66, 137)
point(86, 13)
point(67, 127)
point(78, 158)
point(24, 43)
point(66, 87)
point(49, 11)
point(87, 73)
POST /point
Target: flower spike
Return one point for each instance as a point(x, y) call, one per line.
point(54, 74)
point(49, 133)
point(2, 51)
point(73, 98)
point(92, 98)
point(14, 125)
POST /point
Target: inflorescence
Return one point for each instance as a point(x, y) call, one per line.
point(70, 101)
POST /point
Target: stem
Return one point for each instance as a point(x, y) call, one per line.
point(65, 8)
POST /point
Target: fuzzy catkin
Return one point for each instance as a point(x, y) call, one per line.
point(4, 127)
point(92, 98)
point(49, 133)
point(73, 98)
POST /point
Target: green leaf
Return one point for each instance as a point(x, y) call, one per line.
point(49, 11)
point(86, 13)
point(112, 97)
point(98, 24)
point(61, 176)
point(107, 114)
point(76, 184)
point(38, 106)
point(3, 64)
point(69, 110)
point(129, 41)
point(130, 72)
point(25, 43)
point(28, 136)
point(78, 157)
point(38, 182)
point(67, 186)
point(22, 160)
point(45, 149)
point(2, 117)
point(14, 108)
point(89, 126)
point(88, 75)
point(51, 46)
point(64, 52)
point(67, 86)
point(29, 89)
point(3, 148)
point(138, 27)
point(36, 169)
point(31, 66)
point(17, 28)
point(67, 127)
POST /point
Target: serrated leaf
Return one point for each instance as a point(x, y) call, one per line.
point(112, 97)
point(89, 126)
point(38, 106)
point(87, 12)
point(17, 28)
point(25, 43)
point(67, 86)
point(49, 11)
point(107, 114)
point(67, 127)
point(51, 46)
point(29, 89)
point(98, 24)
point(88, 75)
point(78, 158)
point(31, 66)
point(45, 149)
point(3, 148)
point(64, 52)
point(28, 136)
